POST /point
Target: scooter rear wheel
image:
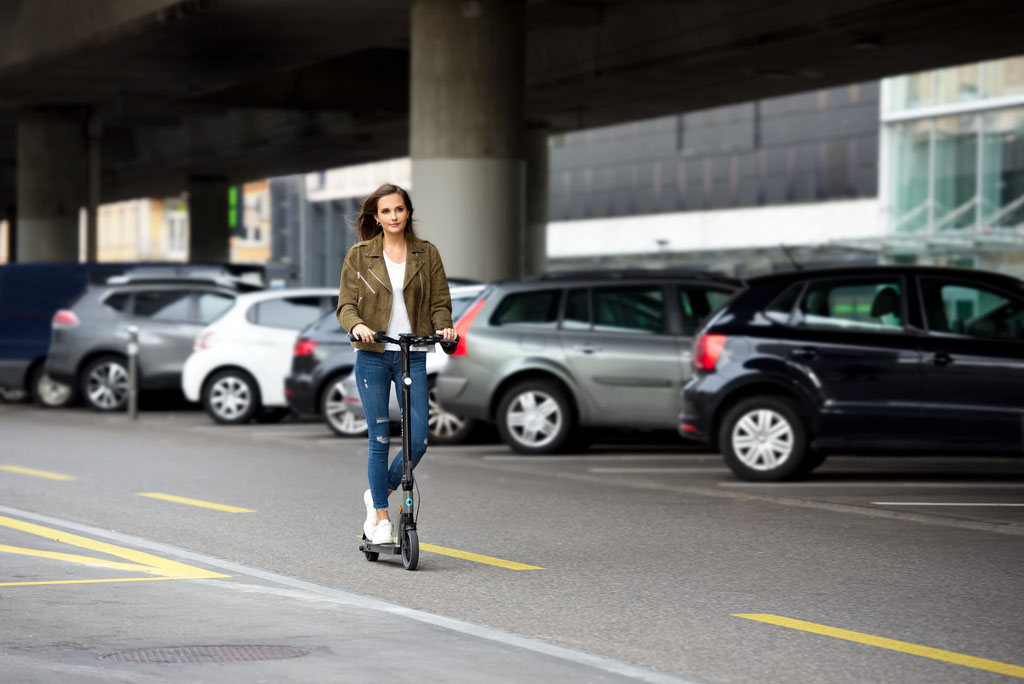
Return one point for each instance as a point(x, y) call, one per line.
point(410, 549)
point(371, 555)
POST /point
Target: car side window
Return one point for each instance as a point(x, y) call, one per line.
point(870, 305)
point(289, 313)
point(958, 308)
point(697, 304)
point(781, 308)
point(118, 301)
point(212, 305)
point(538, 307)
point(629, 309)
point(163, 305)
point(577, 310)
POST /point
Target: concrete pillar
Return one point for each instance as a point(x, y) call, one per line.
point(535, 247)
point(209, 238)
point(466, 132)
point(93, 173)
point(51, 187)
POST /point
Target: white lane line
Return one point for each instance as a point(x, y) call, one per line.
point(929, 503)
point(877, 485)
point(359, 601)
point(643, 471)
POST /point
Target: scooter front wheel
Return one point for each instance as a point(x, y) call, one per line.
point(410, 549)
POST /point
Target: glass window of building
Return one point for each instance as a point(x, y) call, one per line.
point(958, 84)
point(1002, 169)
point(956, 172)
point(912, 91)
point(1004, 77)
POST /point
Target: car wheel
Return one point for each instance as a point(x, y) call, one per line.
point(534, 417)
point(105, 383)
point(231, 397)
point(763, 439)
point(446, 427)
point(47, 392)
point(336, 411)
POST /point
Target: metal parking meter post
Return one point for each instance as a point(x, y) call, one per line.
point(133, 371)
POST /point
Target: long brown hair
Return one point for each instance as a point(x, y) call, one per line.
point(367, 226)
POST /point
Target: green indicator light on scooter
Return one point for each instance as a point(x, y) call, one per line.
point(408, 502)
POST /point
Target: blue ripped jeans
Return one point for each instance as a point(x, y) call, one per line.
point(375, 372)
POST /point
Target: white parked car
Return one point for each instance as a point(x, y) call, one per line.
point(238, 363)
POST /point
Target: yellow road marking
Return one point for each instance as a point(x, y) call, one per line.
point(21, 470)
point(197, 502)
point(94, 581)
point(891, 644)
point(477, 558)
point(84, 560)
point(164, 566)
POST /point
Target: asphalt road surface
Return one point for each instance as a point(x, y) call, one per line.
point(129, 551)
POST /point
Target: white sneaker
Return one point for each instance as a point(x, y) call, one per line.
point(382, 533)
point(371, 515)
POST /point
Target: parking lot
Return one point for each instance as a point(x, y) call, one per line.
point(637, 559)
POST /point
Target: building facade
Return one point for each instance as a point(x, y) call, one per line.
point(919, 168)
point(952, 181)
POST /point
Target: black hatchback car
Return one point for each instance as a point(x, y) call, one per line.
point(808, 363)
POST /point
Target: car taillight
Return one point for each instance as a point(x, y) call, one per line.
point(203, 341)
point(462, 326)
point(304, 347)
point(707, 350)
point(64, 319)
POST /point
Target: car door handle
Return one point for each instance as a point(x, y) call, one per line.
point(804, 353)
point(942, 359)
point(585, 348)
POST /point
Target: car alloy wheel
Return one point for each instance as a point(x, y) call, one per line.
point(533, 417)
point(49, 393)
point(444, 426)
point(338, 413)
point(764, 439)
point(230, 398)
point(106, 384)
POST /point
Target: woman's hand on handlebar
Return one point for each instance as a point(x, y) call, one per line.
point(362, 332)
point(448, 333)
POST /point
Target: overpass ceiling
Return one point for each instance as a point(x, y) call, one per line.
point(299, 71)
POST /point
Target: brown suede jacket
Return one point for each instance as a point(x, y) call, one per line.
point(365, 295)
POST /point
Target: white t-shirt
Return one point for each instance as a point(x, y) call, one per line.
point(399, 322)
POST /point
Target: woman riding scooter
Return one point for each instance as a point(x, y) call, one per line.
point(391, 281)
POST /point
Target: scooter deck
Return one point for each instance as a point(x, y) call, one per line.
point(392, 548)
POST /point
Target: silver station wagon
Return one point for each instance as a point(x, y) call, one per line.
point(548, 357)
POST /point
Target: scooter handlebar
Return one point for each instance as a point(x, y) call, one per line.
point(447, 346)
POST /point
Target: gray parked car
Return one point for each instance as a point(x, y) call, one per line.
point(90, 338)
point(548, 356)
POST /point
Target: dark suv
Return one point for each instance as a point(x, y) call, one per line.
point(862, 359)
point(548, 356)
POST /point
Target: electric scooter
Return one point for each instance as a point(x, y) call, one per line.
point(408, 541)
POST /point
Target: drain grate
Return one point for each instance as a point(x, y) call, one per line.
point(205, 654)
